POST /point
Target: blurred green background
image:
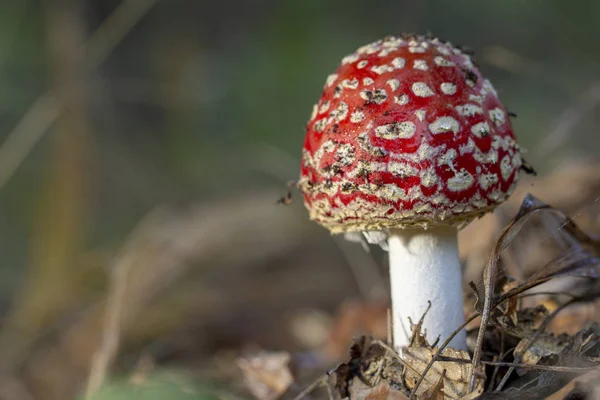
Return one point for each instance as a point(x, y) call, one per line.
point(144, 143)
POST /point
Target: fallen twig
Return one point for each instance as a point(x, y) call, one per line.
point(538, 367)
point(321, 381)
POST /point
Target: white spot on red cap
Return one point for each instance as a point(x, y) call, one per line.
point(481, 129)
point(349, 59)
point(469, 110)
point(420, 64)
point(315, 109)
point(392, 192)
point(506, 167)
point(488, 88)
point(517, 161)
point(331, 80)
point(420, 114)
point(368, 81)
point(476, 98)
point(380, 69)
point(357, 116)
point(443, 125)
point(497, 116)
point(392, 41)
point(398, 62)
point(385, 52)
point(496, 195)
point(362, 64)
point(340, 113)
point(350, 83)
point(417, 49)
point(428, 177)
point(447, 158)
point(443, 62)
point(394, 84)
point(461, 181)
point(402, 170)
point(467, 62)
point(487, 180)
point(443, 50)
point(396, 130)
point(368, 48)
point(421, 89)
point(402, 99)
point(377, 96)
point(345, 154)
point(467, 148)
point(448, 88)
point(324, 107)
point(319, 126)
point(491, 157)
point(426, 151)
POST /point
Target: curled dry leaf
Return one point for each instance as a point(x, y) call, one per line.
point(417, 337)
point(512, 304)
point(359, 390)
point(527, 321)
point(454, 375)
point(546, 345)
point(367, 363)
point(267, 375)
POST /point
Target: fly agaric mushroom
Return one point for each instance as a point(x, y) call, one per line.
point(409, 140)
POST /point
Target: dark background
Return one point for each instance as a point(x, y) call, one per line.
point(143, 145)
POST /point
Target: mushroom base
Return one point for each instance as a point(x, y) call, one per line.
point(424, 266)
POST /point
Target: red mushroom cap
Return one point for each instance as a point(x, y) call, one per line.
point(407, 132)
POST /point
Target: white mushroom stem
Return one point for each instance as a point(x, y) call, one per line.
point(424, 266)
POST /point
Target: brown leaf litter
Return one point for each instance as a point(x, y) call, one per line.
point(267, 375)
point(511, 336)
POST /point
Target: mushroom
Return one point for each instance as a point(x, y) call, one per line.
point(408, 141)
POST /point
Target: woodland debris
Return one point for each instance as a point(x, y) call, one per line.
point(580, 387)
point(454, 375)
point(546, 345)
point(375, 373)
point(381, 391)
point(267, 375)
point(513, 337)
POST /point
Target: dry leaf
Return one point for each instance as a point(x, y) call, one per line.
point(588, 384)
point(435, 392)
point(455, 380)
point(512, 304)
point(359, 390)
point(546, 345)
point(528, 320)
point(343, 374)
point(417, 338)
point(267, 375)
